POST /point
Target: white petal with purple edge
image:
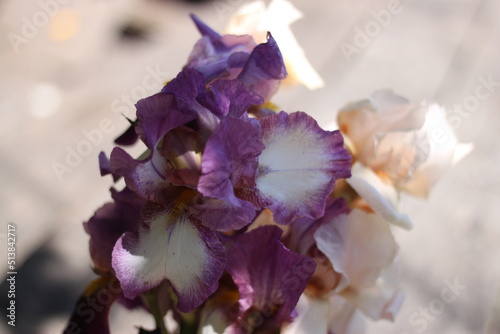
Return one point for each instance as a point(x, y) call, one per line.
point(299, 165)
point(170, 247)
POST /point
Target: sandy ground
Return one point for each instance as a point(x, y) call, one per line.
point(68, 73)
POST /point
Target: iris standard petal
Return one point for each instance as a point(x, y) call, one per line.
point(229, 98)
point(229, 163)
point(157, 115)
point(264, 69)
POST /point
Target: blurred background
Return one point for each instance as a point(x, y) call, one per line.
point(70, 69)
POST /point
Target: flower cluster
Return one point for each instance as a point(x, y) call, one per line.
point(237, 218)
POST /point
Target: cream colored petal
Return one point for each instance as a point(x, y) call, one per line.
point(312, 317)
point(380, 196)
point(442, 150)
point(344, 318)
point(359, 245)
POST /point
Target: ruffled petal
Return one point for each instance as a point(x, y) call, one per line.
point(188, 87)
point(264, 69)
point(230, 161)
point(298, 166)
point(270, 278)
point(213, 54)
point(145, 177)
point(170, 245)
point(359, 245)
point(230, 158)
point(365, 121)
point(157, 115)
point(229, 98)
point(220, 215)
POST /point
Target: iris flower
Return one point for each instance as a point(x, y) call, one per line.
point(215, 159)
point(398, 146)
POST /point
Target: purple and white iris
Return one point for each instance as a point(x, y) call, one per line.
point(215, 159)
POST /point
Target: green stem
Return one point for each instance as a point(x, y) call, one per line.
point(189, 324)
point(152, 302)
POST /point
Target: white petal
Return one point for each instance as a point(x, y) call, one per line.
point(444, 151)
point(312, 317)
point(359, 245)
point(344, 317)
point(381, 197)
point(170, 247)
point(298, 165)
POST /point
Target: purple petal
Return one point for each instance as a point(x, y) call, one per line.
point(205, 30)
point(187, 87)
point(270, 278)
point(220, 215)
point(221, 60)
point(109, 223)
point(230, 161)
point(264, 69)
point(300, 237)
point(128, 138)
point(105, 166)
point(145, 177)
point(299, 166)
point(230, 158)
point(157, 115)
point(229, 98)
point(212, 54)
point(182, 148)
point(170, 245)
